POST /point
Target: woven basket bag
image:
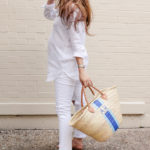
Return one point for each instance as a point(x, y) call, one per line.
point(101, 117)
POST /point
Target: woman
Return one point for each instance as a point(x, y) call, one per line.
point(67, 62)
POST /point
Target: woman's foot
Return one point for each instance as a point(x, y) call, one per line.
point(76, 144)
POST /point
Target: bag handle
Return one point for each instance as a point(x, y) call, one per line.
point(83, 91)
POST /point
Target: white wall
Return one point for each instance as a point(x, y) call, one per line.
point(118, 54)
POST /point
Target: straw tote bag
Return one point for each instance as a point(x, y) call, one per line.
point(100, 118)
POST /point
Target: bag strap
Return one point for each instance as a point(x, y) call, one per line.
point(83, 92)
point(91, 90)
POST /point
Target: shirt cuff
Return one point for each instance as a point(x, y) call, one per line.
point(81, 52)
point(78, 55)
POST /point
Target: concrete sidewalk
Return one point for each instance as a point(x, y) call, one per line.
point(123, 139)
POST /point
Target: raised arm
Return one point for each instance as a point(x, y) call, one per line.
point(50, 12)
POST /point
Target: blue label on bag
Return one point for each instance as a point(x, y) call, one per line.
point(111, 119)
point(97, 103)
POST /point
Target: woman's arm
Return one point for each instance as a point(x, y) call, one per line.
point(84, 78)
point(50, 12)
point(78, 48)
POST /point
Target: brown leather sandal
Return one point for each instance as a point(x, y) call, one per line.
point(76, 144)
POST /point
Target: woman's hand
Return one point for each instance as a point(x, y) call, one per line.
point(84, 78)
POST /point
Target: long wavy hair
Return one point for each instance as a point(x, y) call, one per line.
point(66, 12)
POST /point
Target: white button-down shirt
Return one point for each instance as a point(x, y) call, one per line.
point(64, 45)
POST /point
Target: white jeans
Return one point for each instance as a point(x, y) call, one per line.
point(66, 90)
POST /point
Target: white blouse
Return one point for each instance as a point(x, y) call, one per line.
point(64, 45)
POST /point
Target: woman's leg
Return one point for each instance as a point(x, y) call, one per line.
point(64, 93)
point(77, 104)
